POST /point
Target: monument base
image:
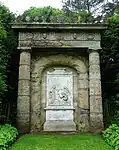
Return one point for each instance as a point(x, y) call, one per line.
point(60, 125)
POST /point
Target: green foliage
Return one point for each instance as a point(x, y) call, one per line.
point(109, 9)
point(100, 9)
point(109, 68)
point(111, 136)
point(8, 135)
point(86, 17)
point(3, 33)
point(8, 42)
point(45, 13)
point(81, 5)
point(6, 45)
point(115, 119)
point(3, 85)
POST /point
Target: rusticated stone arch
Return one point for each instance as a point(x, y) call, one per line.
point(80, 65)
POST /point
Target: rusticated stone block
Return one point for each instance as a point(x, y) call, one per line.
point(95, 87)
point(84, 98)
point(96, 122)
point(24, 72)
point(95, 104)
point(83, 120)
point(83, 84)
point(25, 58)
point(94, 58)
point(83, 76)
point(24, 87)
point(36, 124)
point(94, 75)
point(23, 104)
point(23, 122)
point(94, 68)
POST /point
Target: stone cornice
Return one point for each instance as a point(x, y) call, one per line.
point(57, 26)
point(93, 50)
point(25, 49)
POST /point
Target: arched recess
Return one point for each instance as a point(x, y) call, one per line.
point(80, 65)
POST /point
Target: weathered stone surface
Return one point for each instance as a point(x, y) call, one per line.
point(58, 114)
point(83, 84)
point(83, 120)
point(25, 36)
point(96, 122)
point(59, 89)
point(84, 98)
point(95, 87)
point(23, 122)
point(25, 58)
point(40, 65)
point(60, 126)
point(24, 87)
point(96, 104)
point(66, 36)
point(23, 104)
point(24, 72)
point(83, 76)
point(96, 116)
point(94, 58)
point(63, 44)
point(81, 104)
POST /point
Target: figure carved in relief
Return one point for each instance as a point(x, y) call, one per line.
point(63, 94)
point(59, 94)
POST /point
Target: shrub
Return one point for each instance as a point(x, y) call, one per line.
point(111, 136)
point(8, 135)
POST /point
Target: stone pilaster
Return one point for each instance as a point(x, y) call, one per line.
point(23, 104)
point(83, 105)
point(96, 114)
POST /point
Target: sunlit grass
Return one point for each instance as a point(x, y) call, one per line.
point(61, 142)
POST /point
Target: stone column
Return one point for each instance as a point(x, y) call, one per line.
point(23, 103)
point(96, 113)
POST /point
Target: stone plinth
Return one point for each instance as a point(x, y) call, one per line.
point(62, 125)
point(59, 119)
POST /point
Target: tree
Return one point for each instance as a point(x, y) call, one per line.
point(109, 68)
point(43, 14)
point(46, 13)
point(100, 9)
point(3, 35)
point(81, 5)
point(109, 9)
point(8, 42)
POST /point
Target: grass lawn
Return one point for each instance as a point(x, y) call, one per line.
point(60, 142)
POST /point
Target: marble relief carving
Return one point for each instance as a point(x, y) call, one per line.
point(59, 87)
point(55, 36)
point(59, 95)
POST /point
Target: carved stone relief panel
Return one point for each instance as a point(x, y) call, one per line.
point(59, 39)
point(66, 36)
point(59, 87)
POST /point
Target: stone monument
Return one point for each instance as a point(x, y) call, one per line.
point(59, 77)
point(59, 105)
